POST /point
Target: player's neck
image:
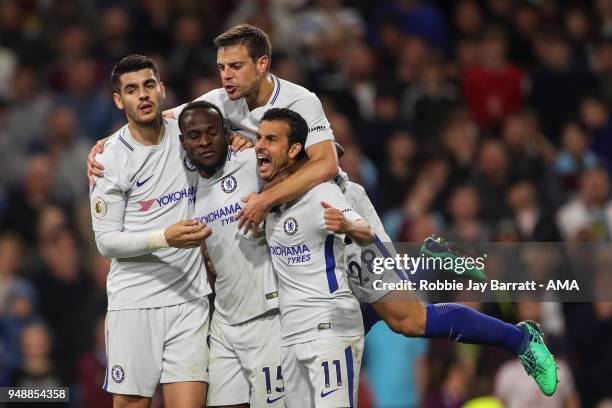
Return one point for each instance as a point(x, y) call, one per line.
point(263, 94)
point(147, 135)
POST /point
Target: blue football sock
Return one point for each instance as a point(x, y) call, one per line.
point(465, 325)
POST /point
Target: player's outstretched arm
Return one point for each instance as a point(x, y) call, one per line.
point(321, 166)
point(121, 244)
point(358, 230)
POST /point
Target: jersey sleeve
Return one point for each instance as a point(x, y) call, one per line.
point(311, 110)
point(108, 197)
point(331, 194)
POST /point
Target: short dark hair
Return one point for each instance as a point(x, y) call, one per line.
point(254, 39)
point(131, 63)
point(199, 105)
point(297, 126)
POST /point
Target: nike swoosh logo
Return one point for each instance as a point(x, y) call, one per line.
point(272, 401)
point(325, 394)
point(140, 183)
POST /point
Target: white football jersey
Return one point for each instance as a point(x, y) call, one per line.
point(310, 262)
point(361, 278)
point(145, 188)
point(245, 284)
point(285, 95)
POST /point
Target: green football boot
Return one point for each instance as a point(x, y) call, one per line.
point(437, 247)
point(537, 360)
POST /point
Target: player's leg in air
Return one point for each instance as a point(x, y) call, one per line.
point(405, 314)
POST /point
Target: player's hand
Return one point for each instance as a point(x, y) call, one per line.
point(335, 220)
point(253, 213)
point(240, 142)
point(95, 169)
point(187, 234)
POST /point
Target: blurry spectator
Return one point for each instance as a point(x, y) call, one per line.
point(154, 20)
point(315, 23)
point(360, 67)
point(459, 139)
point(360, 170)
point(449, 379)
point(94, 108)
point(374, 133)
point(602, 67)
point(395, 365)
point(596, 116)
point(75, 41)
point(531, 155)
point(389, 35)
point(603, 10)
point(427, 104)
point(533, 223)
point(280, 15)
point(527, 20)
point(465, 224)
point(517, 390)
point(413, 53)
point(588, 217)
point(26, 202)
point(115, 40)
point(494, 88)
point(398, 173)
point(589, 331)
point(22, 311)
point(557, 85)
point(12, 155)
point(188, 57)
point(29, 108)
point(91, 369)
point(574, 156)
point(420, 19)
point(467, 18)
point(67, 149)
point(491, 179)
point(288, 68)
point(576, 21)
point(38, 369)
point(64, 288)
point(10, 267)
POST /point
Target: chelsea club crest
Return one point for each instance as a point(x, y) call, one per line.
point(290, 226)
point(117, 374)
point(229, 184)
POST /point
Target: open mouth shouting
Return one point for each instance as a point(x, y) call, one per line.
point(264, 163)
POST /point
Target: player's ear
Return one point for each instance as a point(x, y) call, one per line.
point(162, 89)
point(263, 64)
point(118, 101)
point(295, 150)
point(181, 138)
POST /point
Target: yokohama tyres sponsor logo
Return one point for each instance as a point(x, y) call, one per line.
point(186, 193)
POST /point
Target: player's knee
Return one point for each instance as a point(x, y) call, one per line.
point(412, 323)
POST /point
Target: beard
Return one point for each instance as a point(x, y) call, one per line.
point(210, 169)
point(153, 122)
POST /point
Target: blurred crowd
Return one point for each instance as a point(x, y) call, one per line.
point(481, 120)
